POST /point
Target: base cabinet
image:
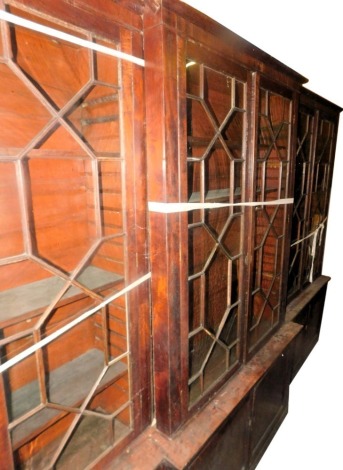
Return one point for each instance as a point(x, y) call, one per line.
point(234, 429)
point(308, 312)
point(229, 447)
point(269, 407)
point(241, 441)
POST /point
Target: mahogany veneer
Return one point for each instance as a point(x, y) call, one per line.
point(190, 370)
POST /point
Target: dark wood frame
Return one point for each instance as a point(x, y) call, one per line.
point(171, 34)
point(115, 22)
point(167, 32)
point(319, 108)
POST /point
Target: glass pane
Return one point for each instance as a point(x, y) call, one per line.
point(117, 328)
point(299, 242)
point(270, 230)
point(37, 451)
point(106, 68)
point(193, 78)
point(320, 195)
point(233, 134)
point(21, 380)
point(60, 200)
point(216, 365)
point(217, 171)
point(11, 234)
point(196, 303)
point(201, 245)
point(200, 346)
point(95, 119)
point(85, 445)
point(216, 153)
point(217, 93)
point(27, 289)
point(111, 205)
point(47, 62)
point(17, 110)
point(200, 129)
point(63, 250)
point(217, 282)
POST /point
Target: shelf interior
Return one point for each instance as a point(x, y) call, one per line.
point(67, 385)
point(38, 295)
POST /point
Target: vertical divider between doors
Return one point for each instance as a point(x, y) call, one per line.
point(289, 207)
point(250, 195)
point(134, 197)
point(165, 139)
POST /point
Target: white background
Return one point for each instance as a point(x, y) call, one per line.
point(306, 35)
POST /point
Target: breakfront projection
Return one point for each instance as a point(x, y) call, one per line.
point(313, 176)
point(164, 197)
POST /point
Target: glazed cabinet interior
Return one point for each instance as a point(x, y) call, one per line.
point(67, 229)
point(207, 168)
point(217, 162)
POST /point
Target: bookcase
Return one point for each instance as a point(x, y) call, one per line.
point(207, 168)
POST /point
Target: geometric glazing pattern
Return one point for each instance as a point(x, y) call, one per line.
point(300, 245)
point(216, 107)
point(320, 190)
point(273, 160)
point(62, 251)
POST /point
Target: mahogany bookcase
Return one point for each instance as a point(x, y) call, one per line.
point(202, 171)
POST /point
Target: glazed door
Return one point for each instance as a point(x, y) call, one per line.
point(300, 250)
point(316, 138)
point(67, 237)
point(197, 106)
point(216, 158)
point(269, 221)
point(323, 161)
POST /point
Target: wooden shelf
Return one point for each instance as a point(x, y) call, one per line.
point(215, 195)
point(203, 142)
point(91, 444)
point(84, 446)
point(67, 385)
point(35, 296)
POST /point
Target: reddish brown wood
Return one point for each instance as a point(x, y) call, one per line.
point(205, 428)
point(200, 37)
point(269, 406)
point(136, 255)
point(91, 168)
point(63, 180)
point(105, 17)
point(232, 434)
point(250, 195)
point(318, 184)
point(294, 307)
point(43, 440)
point(165, 134)
point(203, 29)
